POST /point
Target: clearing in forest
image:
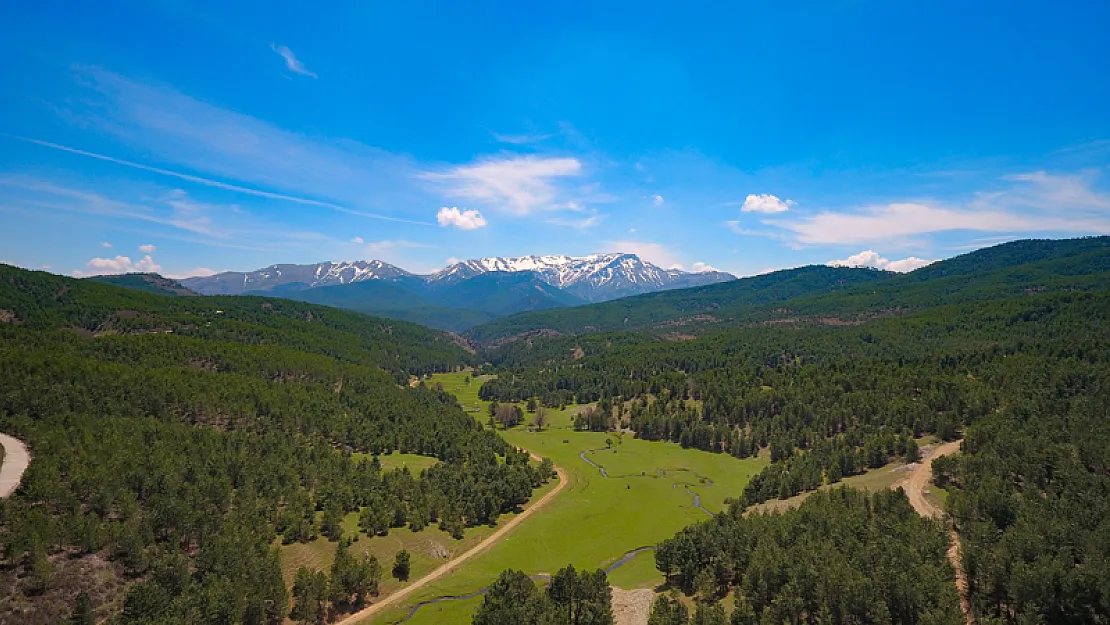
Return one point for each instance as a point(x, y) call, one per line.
point(649, 494)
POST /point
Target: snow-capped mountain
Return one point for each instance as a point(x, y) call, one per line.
point(597, 277)
point(292, 277)
point(593, 278)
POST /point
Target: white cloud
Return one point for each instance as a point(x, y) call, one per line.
point(105, 244)
point(117, 265)
point(291, 61)
point(452, 261)
point(199, 272)
point(1037, 203)
point(896, 222)
point(516, 184)
point(147, 249)
point(702, 267)
point(657, 200)
point(357, 240)
point(765, 203)
point(463, 220)
point(653, 253)
point(871, 258)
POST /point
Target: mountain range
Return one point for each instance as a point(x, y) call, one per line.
point(463, 294)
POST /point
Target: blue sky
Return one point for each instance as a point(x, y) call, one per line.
point(190, 137)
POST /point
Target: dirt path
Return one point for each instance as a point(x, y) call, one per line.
point(447, 567)
point(16, 460)
point(915, 486)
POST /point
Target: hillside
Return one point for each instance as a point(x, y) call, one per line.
point(176, 440)
point(42, 301)
point(991, 273)
point(387, 299)
point(146, 282)
point(710, 303)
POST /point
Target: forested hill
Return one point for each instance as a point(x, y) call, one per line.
point(1006, 270)
point(32, 299)
point(148, 282)
point(177, 439)
point(712, 302)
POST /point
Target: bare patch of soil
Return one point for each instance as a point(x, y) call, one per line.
point(94, 574)
point(632, 607)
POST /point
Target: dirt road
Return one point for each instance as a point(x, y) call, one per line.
point(376, 608)
point(922, 475)
point(915, 486)
point(16, 460)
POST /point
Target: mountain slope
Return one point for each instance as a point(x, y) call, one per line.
point(1007, 270)
point(502, 293)
point(711, 303)
point(319, 274)
point(388, 299)
point(41, 300)
point(147, 282)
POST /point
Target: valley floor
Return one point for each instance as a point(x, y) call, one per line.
point(619, 497)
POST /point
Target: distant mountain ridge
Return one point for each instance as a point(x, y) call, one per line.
point(463, 294)
point(593, 278)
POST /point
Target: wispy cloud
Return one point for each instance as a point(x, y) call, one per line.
point(519, 185)
point(461, 219)
point(208, 182)
point(1036, 202)
point(199, 272)
point(522, 139)
point(147, 249)
point(389, 246)
point(291, 61)
point(582, 223)
point(172, 211)
point(230, 150)
point(657, 200)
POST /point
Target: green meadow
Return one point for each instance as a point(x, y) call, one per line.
point(594, 520)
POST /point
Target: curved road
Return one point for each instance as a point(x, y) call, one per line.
point(914, 486)
point(449, 566)
point(16, 459)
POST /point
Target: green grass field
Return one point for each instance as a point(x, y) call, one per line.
point(467, 395)
point(595, 520)
point(397, 460)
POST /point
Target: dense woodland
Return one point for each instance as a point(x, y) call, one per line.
point(1013, 357)
point(167, 464)
point(842, 557)
point(570, 598)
